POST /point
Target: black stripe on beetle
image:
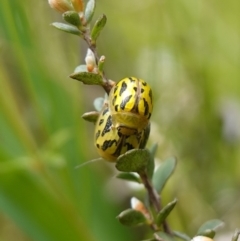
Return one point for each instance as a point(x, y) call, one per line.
point(146, 107)
point(123, 88)
point(108, 125)
point(125, 101)
point(135, 108)
point(131, 79)
point(107, 144)
point(114, 100)
point(105, 111)
point(144, 83)
point(119, 146)
point(100, 122)
point(115, 89)
point(150, 95)
point(116, 108)
point(97, 134)
point(129, 146)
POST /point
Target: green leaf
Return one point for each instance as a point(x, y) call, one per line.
point(163, 214)
point(97, 28)
point(236, 235)
point(163, 173)
point(101, 64)
point(164, 236)
point(128, 176)
point(153, 149)
point(151, 164)
point(210, 225)
point(208, 233)
point(72, 17)
point(81, 68)
point(98, 103)
point(89, 11)
point(133, 161)
point(91, 116)
point(88, 78)
point(131, 218)
point(181, 235)
point(67, 28)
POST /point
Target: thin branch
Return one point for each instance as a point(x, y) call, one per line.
point(154, 198)
point(108, 84)
point(152, 194)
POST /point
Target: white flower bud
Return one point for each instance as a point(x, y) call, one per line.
point(90, 61)
point(60, 5)
point(201, 238)
point(78, 5)
point(139, 206)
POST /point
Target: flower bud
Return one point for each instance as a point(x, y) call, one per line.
point(201, 238)
point(90, 61)
point(139, 206)
point(60, 5)
point(78, 5)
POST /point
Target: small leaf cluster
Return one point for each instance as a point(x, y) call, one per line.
point(138, 166)
point(74, 14)
point(78, 20)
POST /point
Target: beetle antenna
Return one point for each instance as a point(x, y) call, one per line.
point(88, 162)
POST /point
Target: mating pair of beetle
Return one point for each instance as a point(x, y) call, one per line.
point(123, 123)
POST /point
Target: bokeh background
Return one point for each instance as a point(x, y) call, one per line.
point(189, 52)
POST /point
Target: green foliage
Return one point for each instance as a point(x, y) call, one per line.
point(192, 65)
point(128, 176)
point(87, 78)
point(133, 161)
point(89, 11)
point(151, 164)
point(163, 173)
point(165, 211)
point(131, 218)
point(73, 18)
point(139, 161)
point(164, 236)
point(67, 28)
point(97, 28)
point(181, 236)
point(91, 116)
point(209, 227)
point(42, 196)
point(81, 68)
point(101, 64)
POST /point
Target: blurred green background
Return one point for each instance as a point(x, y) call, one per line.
point(189, 52)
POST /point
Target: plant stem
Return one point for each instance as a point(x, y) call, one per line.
point(107, 84)
point(152, 194)
point(154, 198)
